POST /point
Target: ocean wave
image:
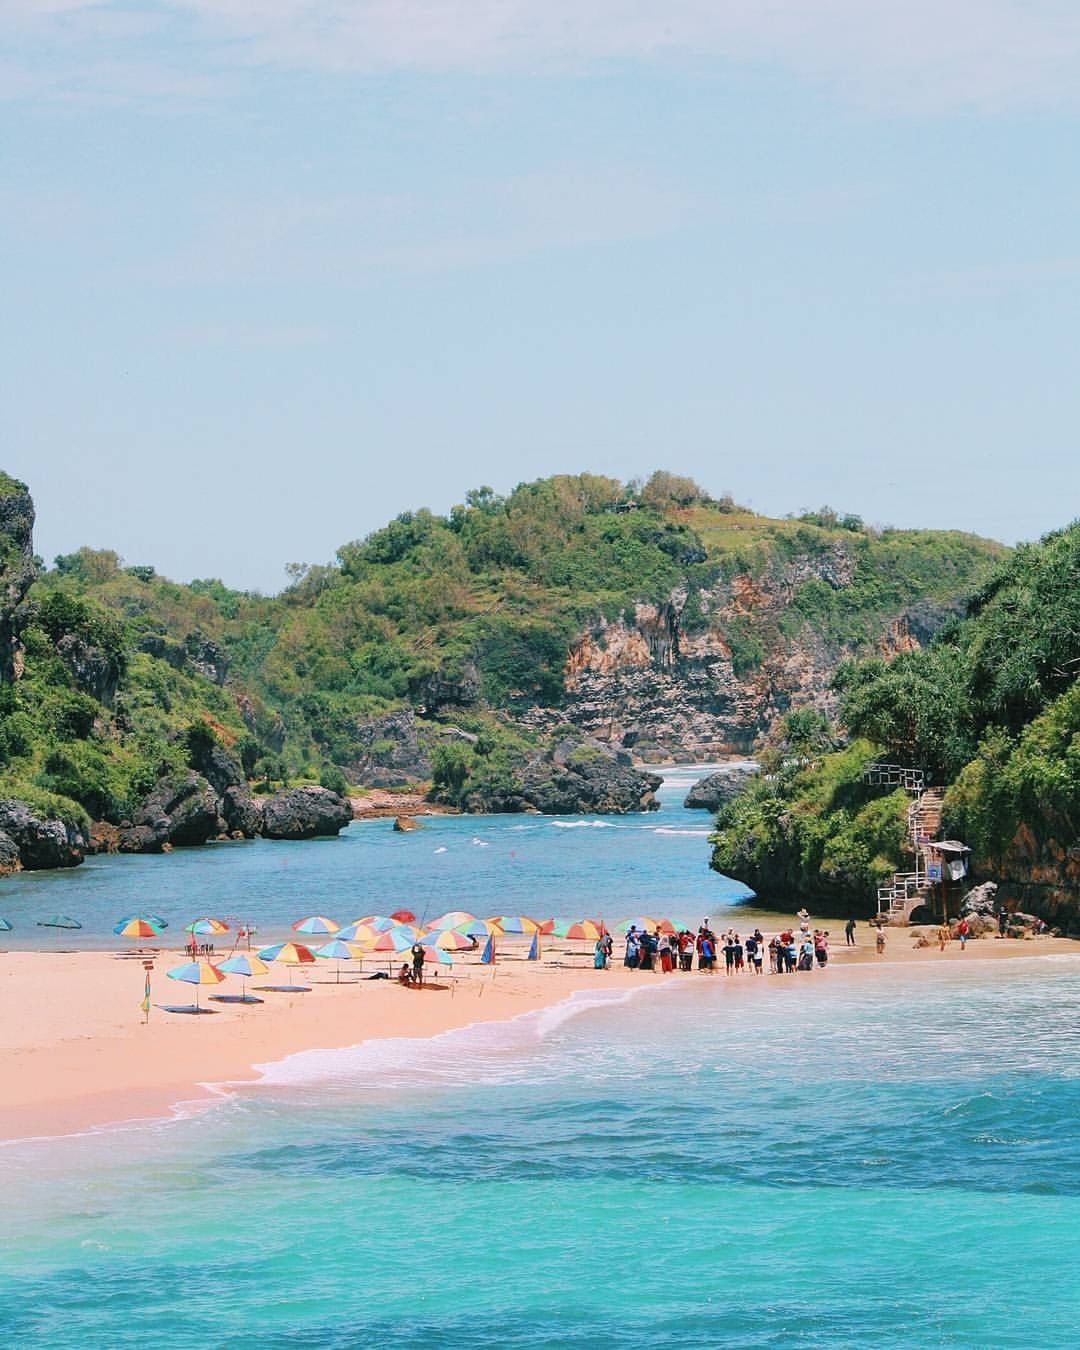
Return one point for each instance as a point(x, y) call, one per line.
point(586, 825)
point(668, 829)
point(459, 1055)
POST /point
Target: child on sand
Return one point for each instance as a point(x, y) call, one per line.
point(879, 941)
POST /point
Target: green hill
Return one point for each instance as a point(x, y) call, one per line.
point(990, 707)
point(440, 645)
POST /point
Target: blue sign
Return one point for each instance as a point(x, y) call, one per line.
point(933, 871)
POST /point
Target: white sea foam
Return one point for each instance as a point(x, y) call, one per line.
point(667, 829)
point(491, 1050)
point(586, 825)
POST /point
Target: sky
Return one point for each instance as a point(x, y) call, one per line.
point(274, 271)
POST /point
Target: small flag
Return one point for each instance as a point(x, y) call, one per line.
point(145, 1004)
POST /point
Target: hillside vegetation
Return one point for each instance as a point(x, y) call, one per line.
point(990, 707)
point(464, 618)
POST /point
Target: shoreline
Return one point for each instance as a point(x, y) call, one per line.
point(76, 1054)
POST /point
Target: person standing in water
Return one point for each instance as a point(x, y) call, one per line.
point(849, 932)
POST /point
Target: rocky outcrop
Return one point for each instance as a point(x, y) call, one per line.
point(305, 813)
point(1040, 872)
point(41, 842)
point(404, 824)
point(181, 809)
point(16, 569)
point(93, 670)
point(708, 793)
point(389, 752)
point(242, 812)
point(588, 780)
point(208, 658)
point(704, 675)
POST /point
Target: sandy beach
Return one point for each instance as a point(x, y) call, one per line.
point(76, 1053)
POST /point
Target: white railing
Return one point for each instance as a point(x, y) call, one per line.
point(878, 774)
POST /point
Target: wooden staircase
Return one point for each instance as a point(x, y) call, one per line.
point(908, 891)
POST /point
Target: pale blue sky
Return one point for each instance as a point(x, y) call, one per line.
point(276, 270)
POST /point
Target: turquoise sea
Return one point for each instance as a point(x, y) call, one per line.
point(851, 1158)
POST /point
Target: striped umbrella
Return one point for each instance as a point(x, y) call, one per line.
point(380, 922)
point(453, 919)
point(516, 923)
point(289, 954)
point(246, 965)
point(360, 933)
point(138, 926)
point(336, 950)
point(587, 930)
point(450, 940)
point(644, 923)
point(197, 973)
point(397, 939)
point(207, 927)
point(480, 928)
point(316, 924)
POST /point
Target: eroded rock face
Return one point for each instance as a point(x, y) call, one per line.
point(182, 808)
point(676, 680)
point(305, 813)
point(242, 812)
point(1040, 873)
point(594, 783)
point(708, 793)
point(389, 752)
point(41, 842)
point(93, 670)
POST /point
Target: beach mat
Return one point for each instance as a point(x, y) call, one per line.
point(421, 988)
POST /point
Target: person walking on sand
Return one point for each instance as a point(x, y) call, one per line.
point(849, 932)
point(943, 936)
point(821, 948)
point(418, 963)
point(879, 941)
point(963, 929)
point(803, 917)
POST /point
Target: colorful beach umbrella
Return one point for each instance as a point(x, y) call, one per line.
point(453, 919)
point(59, 921)
point(246, 965)
point(288, 953)
point(480, 928)
point(380, 922)
point(586, 930)
point(516, 923)
point(403, 916)
point(317, 923)
point(336, 950)
point(138, 926)
point(397, 939)
point(450, 940)
point(360, 933)
point(207, 927)
point(197, 973)
point(644, 923)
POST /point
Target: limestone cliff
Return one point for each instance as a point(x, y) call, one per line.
point(705, 674)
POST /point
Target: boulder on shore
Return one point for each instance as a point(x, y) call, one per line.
point(403, 824)
point(305, 813)
point(242, 812)
point(181, 808)
point(41, 842)
point(707, 794)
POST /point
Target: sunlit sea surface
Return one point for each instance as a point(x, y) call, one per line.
point(878, 1158)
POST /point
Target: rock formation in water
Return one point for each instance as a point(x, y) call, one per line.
point(707, 793)
point(305, 813)
point(36, 842)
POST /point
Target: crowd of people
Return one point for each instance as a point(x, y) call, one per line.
point(782, 954)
